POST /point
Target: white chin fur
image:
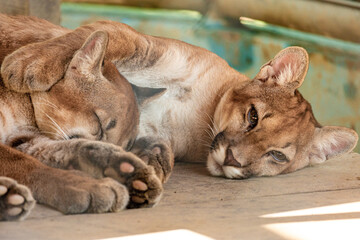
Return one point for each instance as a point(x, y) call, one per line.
point(232, 172)
point(215, 163)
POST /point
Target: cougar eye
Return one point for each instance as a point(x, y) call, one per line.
point(278, 156)
point(111, 125)
point(74, 136)
point(252, 118)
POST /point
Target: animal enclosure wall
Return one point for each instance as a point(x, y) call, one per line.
point(46, 9)
point(333, 81)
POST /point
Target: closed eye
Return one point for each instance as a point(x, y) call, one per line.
point(100, 132)
point(75, 136)
point(111, 125)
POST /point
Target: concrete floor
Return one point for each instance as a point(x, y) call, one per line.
point(325, 200)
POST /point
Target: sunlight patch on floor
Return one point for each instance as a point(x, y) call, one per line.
point(325, 229)
point(330, 229)
point(332, 209)
point(179, 234)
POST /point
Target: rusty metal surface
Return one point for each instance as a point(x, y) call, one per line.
point(332, 85)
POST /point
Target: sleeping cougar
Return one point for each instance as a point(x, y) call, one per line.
point(92, 100)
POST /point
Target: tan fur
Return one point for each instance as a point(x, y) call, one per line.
point(286, 123)
point(203, 112)
point(91, 101)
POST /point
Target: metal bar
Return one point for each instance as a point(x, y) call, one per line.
point(320, 17)
point(197, 5)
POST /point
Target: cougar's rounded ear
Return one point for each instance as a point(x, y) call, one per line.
point(287, 69)
point(88, 59)
point(330, 141)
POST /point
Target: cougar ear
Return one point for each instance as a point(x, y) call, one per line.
point(88, 59)
point(330, 141)
point(287, 69)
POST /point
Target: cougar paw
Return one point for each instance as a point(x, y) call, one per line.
point(17, 76)
point(157, 154)
point(144, 186)
point(82, 193)
point(16, 200)
point(27, 69)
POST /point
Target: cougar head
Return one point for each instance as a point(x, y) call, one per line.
point(92, 101)
point(265, 126)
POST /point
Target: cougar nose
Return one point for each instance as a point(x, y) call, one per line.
point(230, 159)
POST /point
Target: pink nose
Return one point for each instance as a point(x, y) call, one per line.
point(230, 159)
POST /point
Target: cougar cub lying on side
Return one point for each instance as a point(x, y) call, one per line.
point(92, 100)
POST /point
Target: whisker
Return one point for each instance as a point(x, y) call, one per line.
point(212, 130)
point(205, 143)
point(209, 133)
point(52, 125)
point(51, 133)
point(214, 127)
point(57, 134)
point(45, 103)
point(66, 137)
point(55, 126)
point(48, 103)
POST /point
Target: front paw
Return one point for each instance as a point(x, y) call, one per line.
point(16, 200)
point(102, 159)
point(144, 186)
point(155, 153)
point(35, 67)
point(73, 192)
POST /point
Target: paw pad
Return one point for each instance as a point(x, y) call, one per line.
point(143, 185)
point(139, 185)
point(137, 199)
point(16, 199)
point(12, 212)
point(126, 167)
point(3, 190)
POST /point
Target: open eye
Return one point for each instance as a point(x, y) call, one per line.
point(278, 156)
point(252, 118)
